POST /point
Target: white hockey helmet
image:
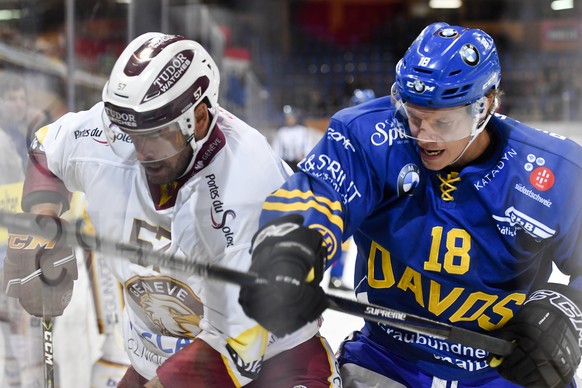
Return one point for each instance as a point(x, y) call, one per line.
point(156, 83)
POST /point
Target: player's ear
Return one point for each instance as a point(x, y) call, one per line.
point(492, 101)
point(202, 118)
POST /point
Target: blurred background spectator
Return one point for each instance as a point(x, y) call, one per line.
point(310, 54)
point(293, 140)
point(18, 117)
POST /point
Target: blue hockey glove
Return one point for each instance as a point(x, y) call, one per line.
point(292, 257)
point(548, 334)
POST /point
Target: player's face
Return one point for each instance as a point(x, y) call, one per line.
point(441, 134)
point(164, 153)
point(168, 170)
point(439, 125)
point(436, 156)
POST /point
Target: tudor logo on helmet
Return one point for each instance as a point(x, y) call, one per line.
point(121, 119)
point(170, 75)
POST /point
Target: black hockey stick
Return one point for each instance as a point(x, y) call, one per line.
point(421, 325)
point(51, 228)
point(47, 342)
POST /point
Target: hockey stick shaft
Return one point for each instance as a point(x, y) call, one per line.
point(421, 325)
point(47, 342)
point(51, 228)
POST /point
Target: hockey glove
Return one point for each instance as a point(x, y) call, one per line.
point(292, 258)
point(39, 273)
point(547, 332)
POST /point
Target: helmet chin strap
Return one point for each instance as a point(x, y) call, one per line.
point(472, 138)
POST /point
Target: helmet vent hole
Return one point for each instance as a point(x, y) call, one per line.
point(421, 70)
point(455, 72)
point(450, 91)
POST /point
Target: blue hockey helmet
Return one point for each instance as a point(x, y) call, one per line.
point(362, 95)
point(447, 66)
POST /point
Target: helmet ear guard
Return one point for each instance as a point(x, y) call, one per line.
point(489, 112)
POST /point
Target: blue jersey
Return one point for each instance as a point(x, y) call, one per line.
point(462, 247)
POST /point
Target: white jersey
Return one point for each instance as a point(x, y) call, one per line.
point(209, 217)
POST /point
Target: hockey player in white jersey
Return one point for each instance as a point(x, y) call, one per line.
point(163, 166)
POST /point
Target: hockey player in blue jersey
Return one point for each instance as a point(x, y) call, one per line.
point(458, 214)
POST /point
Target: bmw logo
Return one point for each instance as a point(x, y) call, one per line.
point(408, 179)
point(470, 54)
point(419, 86)
point(448, 33)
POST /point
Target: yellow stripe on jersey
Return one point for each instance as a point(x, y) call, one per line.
point(334, 373)
point(321, 204)
point(249, 345)
point(41, 133)
point(167, 192)
point(227, 364)
point(282, 193)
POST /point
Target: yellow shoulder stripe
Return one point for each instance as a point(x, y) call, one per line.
point(282, 193)
point(41, 133)
point(301, 206)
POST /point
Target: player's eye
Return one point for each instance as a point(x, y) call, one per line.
point(415, 121)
